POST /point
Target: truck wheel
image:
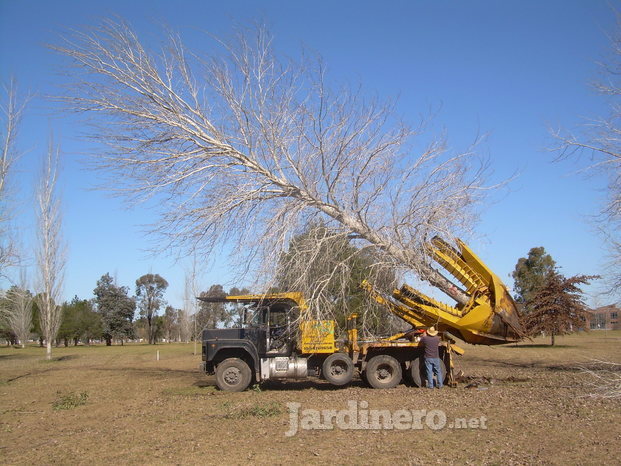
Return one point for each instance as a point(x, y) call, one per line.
point(418, 372)
point(338, 369)
point(383, 371)
point(233, 375)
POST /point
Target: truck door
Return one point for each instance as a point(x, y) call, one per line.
point(280, 336)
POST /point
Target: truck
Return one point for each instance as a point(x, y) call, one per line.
point(277, 342)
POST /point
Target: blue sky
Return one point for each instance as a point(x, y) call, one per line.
point(508, 69)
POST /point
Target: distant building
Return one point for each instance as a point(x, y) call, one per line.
point(605, 318)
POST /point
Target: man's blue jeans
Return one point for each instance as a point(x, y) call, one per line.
point(433, 367)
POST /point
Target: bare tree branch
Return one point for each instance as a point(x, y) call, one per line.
point(12, 111)
point(600, 139)
point(263, 147)
point(604, 379)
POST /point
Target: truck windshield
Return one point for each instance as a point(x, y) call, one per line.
point(256, 316)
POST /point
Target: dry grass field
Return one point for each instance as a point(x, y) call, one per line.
point(97, 405)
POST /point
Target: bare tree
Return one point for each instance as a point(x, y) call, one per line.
point(50, 252)
point(614, 266)
point(11, 116)
point(186, 314)
point(18, 310)
point(189, 325)
point(185, 321)
point(241, 146)
point(600, 140)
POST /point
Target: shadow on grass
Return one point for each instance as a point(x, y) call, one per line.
point(204, 383)
point(569, 367)
point(147, 371)
point(194, 390)
point(314, 384)
point(288, 385)
point(541, 345)
point(6, 357)
point(27, 374)
point(67, 357)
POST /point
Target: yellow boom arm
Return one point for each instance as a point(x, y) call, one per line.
point(490, 317)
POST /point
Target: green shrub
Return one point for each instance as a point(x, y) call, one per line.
point(69, 400)
point(261, 410)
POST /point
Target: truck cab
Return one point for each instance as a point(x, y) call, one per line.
point(271, 343)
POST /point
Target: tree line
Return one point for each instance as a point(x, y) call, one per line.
point(550, 303)
point(113, 315)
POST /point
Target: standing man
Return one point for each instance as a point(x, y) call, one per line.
point(431, 342)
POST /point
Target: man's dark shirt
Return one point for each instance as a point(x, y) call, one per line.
point(431, 346)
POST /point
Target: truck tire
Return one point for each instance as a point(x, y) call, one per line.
point(383, 371)
point(338, 369)
point(418, 372)
point(233, 375)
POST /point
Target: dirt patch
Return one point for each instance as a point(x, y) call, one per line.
point(119, 404)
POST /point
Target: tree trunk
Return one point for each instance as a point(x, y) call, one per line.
point(48, 350)
point(41, 342)
point(151, 329)
point(446, 286)
point(108, 341)
point(552, 339)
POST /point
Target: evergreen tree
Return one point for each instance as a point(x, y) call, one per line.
point(90, 322)
point(150, 290)
point(116, 309)
point(213, 315)
point(69, 325)
point(530, 275)
point(170, 324)
point(236, 311)
point(79, 322)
